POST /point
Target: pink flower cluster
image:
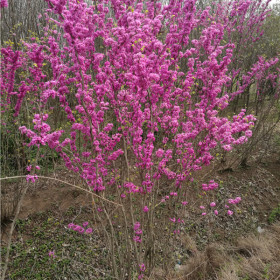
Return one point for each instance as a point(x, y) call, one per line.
point(29, 167)
point(137, 232)
point(179, 221)
point(3, 3)
point(142, 269)
point(52, 254)
point(212, 204)
point(80, 229)
point(234, 201)
point(145, 209)
point(210, 186)
point(131, 188)
point(31, 178)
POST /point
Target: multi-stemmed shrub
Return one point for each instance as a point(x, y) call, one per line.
point(143, 87)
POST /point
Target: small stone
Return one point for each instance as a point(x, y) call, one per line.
point(260, 230)
point(177, 267)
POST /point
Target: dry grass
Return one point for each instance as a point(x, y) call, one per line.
point(255, 246)
point(256, 257)
point(204, 265)
point(262, 255)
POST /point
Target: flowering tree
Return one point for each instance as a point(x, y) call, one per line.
point(142, 86)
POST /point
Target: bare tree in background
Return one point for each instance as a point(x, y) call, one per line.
point(20, 19)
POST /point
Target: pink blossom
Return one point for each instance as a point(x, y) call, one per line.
point(76, 228)
point(160, 153)
point(85, 224)
point(234, 201)
point(81, 230)
point(203, 214)
point(238, 199)
point(212, 204)
point(142, 267)
point(216, 212)
point(88, 231)
point(145, 209)
point(52, 254)
point(3, 3)
point(227, 147)
point(137, 238)
point(211, 186)
point(71, 225)
point(138, 231)
point(31, 178)
point(28, 168)
point(229, 212)
point(184, 203)
point(173, 194)
point(173, 220)
point(248, 133)
point(137, 226)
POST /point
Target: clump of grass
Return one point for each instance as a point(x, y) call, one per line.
point(203, 265)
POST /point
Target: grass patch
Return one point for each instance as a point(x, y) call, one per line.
point(77, 256)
